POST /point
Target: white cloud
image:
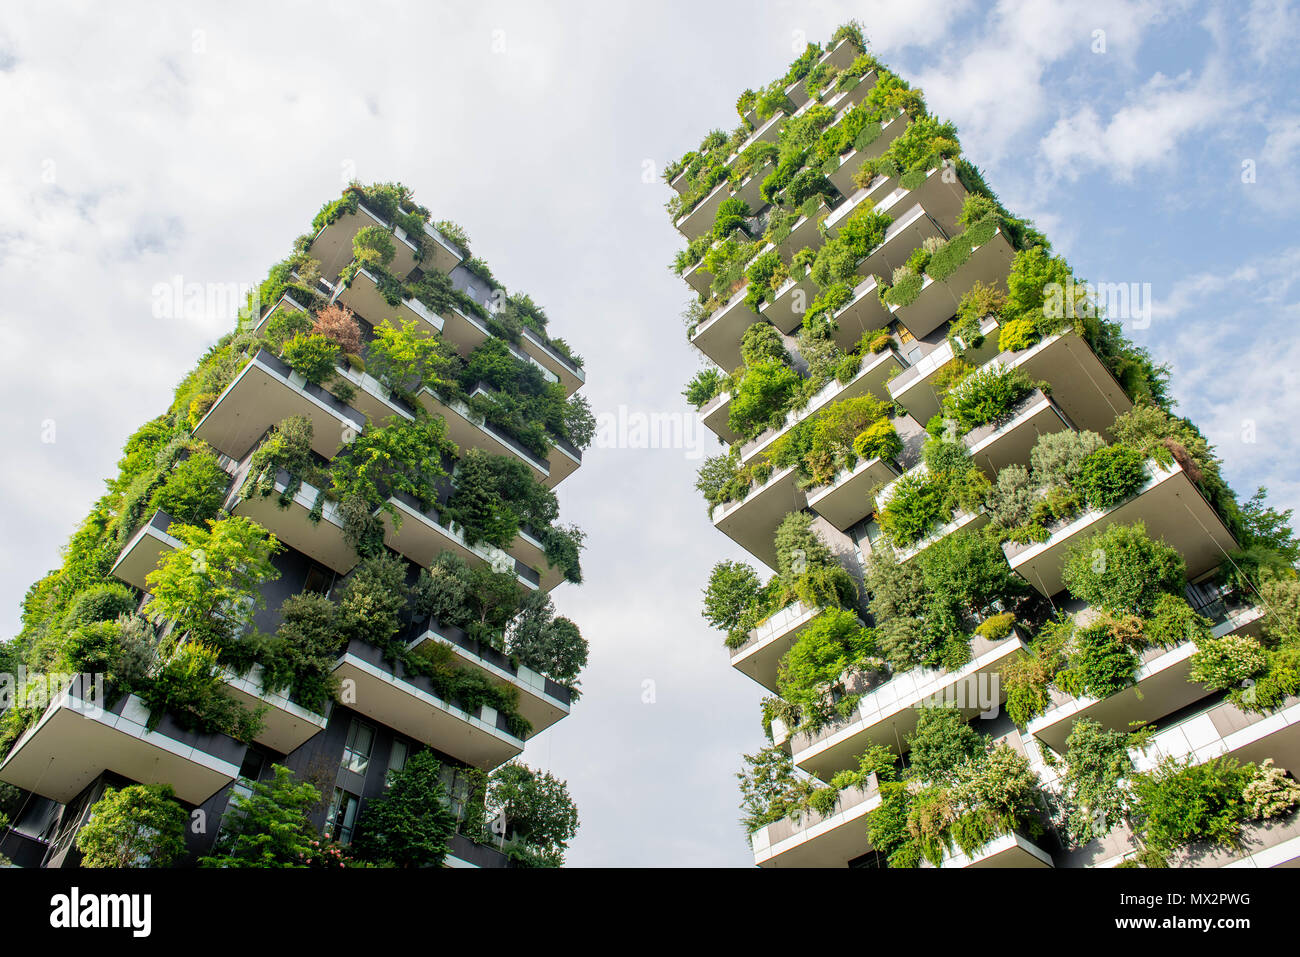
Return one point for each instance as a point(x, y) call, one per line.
point(1143, 133)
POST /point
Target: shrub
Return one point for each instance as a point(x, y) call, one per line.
point(1270, 793)
point(762, 397)
point(1016, 334)
point(915, 506)
point(729, 600)
point(1111, 475)
point(941, 742)
point(337, 322)
point(1178, 803)
point(1226, 661)
point(193, 491)
point(1100, 664)
point(409, 824)
point(825, 649)
point(100, 602)
point(1058, 457)
point(549, 645)
point(1012, 499)
point(1122, 570)
point(1097, 762)
point(1172, 622)
point(762, 342)
point(878, 440)
point(269, 828)
point(730, 216)
point(314, 357)
point(373, 246)
point(986, 395)
point(996, 627)
point(538, 809)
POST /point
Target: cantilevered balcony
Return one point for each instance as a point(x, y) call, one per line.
point(913, 388)
point(905, 234)
point(699, 220)
point(846, 500)
point(716, 415)
point(1081, 384)
point(286, 725)
point(767, 644)
point(1010, 440)
point(265, 392)
point(1008, 850)
point(364, 298)
point(1172, 508)
point(840, 57)
point(817, 841)
point(718, 336)
point(422, 536)
point(941, 198)
point(568, 372)
point(321, 539)
point(75, 741)
point(468, 433)
point(1161, 686)
point(888, 713)
point(959, 520)
point(332, 246)
point(387, 693)
point(527, 549)
point(1270, 843)
point(848, 164)
point(789, 303)
point(439, 251)
point(937, 301)
point(863, 313)
point(752, 521)
point(870, 379)
point(542, 701)
point(145, 550)
point(1223, 729)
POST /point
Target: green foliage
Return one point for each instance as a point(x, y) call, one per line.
point(190, 686)
point(1057, 457)
point(409, 824)
point(194, 490)
point(547, 644)
point(825, 649)
point(941, 742)
point(538, 810)
point(762, 397)
point(141, 825)
point(1178, 803)
point(730, 216)
point(211, 586)
point(1123, 570)
point(406, 361)
point(1093, 795)
point(729, 600)
point(314, 357)
point(1226, 661)
point(270, 828)
point(1100, 664)
point(1111, 475)
point(986, 395)
point(706, 384)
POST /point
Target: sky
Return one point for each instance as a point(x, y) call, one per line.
point(1154, 142)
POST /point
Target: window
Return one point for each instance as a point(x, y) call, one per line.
point(356, 755)
point(318, 580)
point(250, 771)
point(342, 816)
point(396, 760)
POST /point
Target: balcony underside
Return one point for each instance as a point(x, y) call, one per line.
point(570, 375)
point(332, 246)
point(1081, 384)
point(847, 500)
point(816, 841)
point(422, 538)
point(364, 298)
point(322, 541)
point(383, 693)
point(542, 710)
point(145, 550)
point(752, 522)
point(1009, 850)
point(768, 643)
point(468, 434)
point(994, 448)
point(265, 392)
point(73, 743)
point(716, 415)
point(787, 309)
point(286, 726)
